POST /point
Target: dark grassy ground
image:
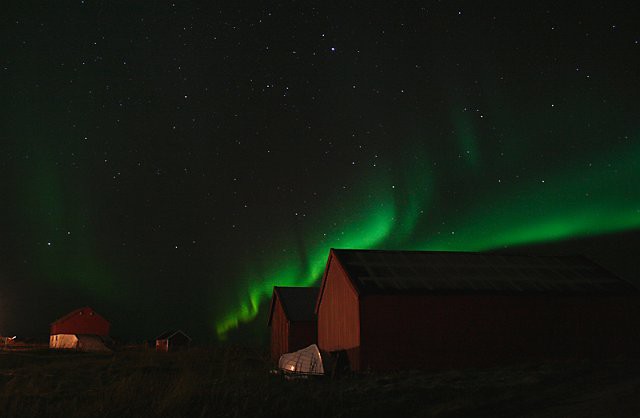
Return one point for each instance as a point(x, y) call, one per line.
point(231, 381)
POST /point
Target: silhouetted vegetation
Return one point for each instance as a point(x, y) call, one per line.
point(232, 381)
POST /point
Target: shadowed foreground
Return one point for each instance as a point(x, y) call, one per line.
point(234, 382)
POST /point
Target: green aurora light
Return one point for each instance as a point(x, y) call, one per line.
point(573, 201)
point(66, 250)
point(375, 218)
point(146, 165)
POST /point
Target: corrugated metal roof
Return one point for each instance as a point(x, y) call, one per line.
point(374, 271)
point(298, 302)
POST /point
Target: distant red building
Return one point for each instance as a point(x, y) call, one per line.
point(81, 321)
point(292, 319)
point(407, 309)
point(173, 340)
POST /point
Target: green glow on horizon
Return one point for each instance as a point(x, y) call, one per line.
point(67, 252)
point(365, 230)
point(467, 139)
point(360, 227)
point(568, 204)
point(572, 202)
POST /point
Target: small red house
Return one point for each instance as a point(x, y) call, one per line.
point(82, 329)
point(81, 321)
point(292, 319)
point(174, 340)
point(406, 309)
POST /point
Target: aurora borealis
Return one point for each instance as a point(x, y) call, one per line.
point(576, 202)
point(169, 164)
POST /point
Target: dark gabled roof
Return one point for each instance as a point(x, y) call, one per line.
point(379, 272)
point(298, 302)
point(170, 334)
point(72, 313)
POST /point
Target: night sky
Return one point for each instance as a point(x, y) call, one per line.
point(168, 163)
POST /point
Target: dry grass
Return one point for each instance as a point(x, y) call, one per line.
point(231, 381)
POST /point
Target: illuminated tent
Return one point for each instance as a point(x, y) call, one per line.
point(79, 342)
point(307, 361)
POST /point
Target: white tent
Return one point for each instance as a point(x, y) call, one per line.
point(79, 342)
point(63, 341)
point(307, 361)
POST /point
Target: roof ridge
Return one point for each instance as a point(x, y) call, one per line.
point(488, 252)
point(170, 333)
point(298, 302)
point(411, 271)
point(75, 311)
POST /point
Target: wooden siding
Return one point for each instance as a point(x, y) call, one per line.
point(84, 321)
point(338, 314)
point(453, 331)
point(279, 332)
point(162, 345)
point(302, 334)
point(176, 342)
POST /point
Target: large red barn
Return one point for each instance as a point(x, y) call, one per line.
point(406, 309)
point(81, 321)
point(292, 319)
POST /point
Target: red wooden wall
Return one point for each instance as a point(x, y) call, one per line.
point(162, 345)
point(176, 343)
point(441, 331)
point(302, 334)
point(288, 336)
point(338, 314)
point(81, 321)
point(279, 332)
point(451, 331)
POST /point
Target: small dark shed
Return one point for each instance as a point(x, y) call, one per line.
point(292, 319)
point(174, 340)
point(406, 309)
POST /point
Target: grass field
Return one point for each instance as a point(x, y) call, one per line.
point(232, 381)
